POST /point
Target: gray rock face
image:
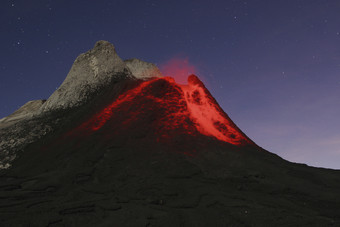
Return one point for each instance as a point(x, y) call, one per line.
point(92, 72)
point(14, 137)
point(26, 111)
point(141, 69)
point(18, 134)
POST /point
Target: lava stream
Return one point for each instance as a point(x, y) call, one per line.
point(176, 105)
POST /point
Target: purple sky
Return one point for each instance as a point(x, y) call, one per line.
point(274, 66)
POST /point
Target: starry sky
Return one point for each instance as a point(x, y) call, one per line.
point(273, 65)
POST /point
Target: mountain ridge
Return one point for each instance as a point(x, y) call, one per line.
point(92, 73)
point(142, 150)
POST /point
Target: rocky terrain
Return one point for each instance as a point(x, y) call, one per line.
point(117, 144)
point(92, 74)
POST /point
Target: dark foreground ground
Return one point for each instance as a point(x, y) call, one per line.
point(133, 183)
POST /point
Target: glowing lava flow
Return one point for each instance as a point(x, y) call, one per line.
point(99, 120)
point(209, 117)
point(174, 109)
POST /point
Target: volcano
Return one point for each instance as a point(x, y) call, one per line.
point(118, 144)
point(168, 110)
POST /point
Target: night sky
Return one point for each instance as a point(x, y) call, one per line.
point(273, 65)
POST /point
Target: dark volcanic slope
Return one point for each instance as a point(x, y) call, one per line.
point(159, 109)
point(150, 152)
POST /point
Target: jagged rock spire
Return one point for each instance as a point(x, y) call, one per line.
point(91, 71)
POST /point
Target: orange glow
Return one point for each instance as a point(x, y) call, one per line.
point(209, 117)
point(166, 109)
point(101, 118)
point(179, 69)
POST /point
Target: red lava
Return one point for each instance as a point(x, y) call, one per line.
point(178, 104)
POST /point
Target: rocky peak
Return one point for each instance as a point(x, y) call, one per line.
point(27, 110)
point(141, 69)
point(91, 71)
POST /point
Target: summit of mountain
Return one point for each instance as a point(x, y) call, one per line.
point(118, 144)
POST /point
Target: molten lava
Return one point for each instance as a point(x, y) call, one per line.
point(165, 108)
point(209, 117)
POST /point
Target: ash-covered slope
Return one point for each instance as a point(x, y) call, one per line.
point(119, 145)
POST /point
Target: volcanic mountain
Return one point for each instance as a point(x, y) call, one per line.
point(118, 144)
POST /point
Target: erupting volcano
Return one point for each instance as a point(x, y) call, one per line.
point(175, 108)
point(119, 144)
